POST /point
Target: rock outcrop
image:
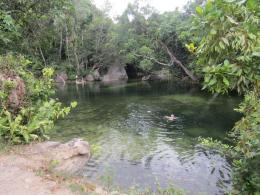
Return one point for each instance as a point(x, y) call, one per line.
point(68, 158)
point(157, 75)
point(89, 77)
point(17, 94)
point(146, 78)
point(97, 75)
point(93, 76)
point(61, 77)
point(115, 72)
point(35, 169)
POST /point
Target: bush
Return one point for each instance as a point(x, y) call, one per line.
point(246, 153)
point(36, 112)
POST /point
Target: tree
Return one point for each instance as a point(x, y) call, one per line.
point(151, 41)
point(228, 55)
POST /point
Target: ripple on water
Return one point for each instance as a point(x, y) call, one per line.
point(139, 146)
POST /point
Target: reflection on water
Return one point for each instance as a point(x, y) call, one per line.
point(139, 147)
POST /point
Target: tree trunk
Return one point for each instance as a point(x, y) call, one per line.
point(43, 58)
point(61, 40)
point(178, 62)
point(76, 58)
point(67, 43)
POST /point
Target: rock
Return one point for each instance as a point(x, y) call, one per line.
point(115, 72)
point(26, 169)
point(93, 76)
point(17, 94)
point(163, 74)
point(67, 158)
point(71, 156)
point(61, 77)
point(158, 75)
point(96, 75)
point(146, 78)
point(89, 77)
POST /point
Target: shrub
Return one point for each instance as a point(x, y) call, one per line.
point(36, 112)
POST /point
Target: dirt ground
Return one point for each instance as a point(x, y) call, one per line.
point(18, 176)
point(22, 173)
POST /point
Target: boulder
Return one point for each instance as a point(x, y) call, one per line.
point(16, 96)
point(89, 77)
point(61, 77)
point(96, 75)
point(67, 158)
point(115, 72)
point(93, 76)
point(158, 75)
point(163, 74)
point(146, 78)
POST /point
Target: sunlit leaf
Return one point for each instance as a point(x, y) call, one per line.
point(199, 10)
point(226, 82)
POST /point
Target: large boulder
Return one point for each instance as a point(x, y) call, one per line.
point(67, 158)
point(89, 77)
point(115, 72)
point(93, 76)
point(61, 77)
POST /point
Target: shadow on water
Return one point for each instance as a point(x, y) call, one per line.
point(138, 145)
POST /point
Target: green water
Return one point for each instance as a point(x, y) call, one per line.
point(137, 146)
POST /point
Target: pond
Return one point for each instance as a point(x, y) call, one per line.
point(137, 147)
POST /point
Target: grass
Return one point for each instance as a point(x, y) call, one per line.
point(77, 188)
point(7, 147)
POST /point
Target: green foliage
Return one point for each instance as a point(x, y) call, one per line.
point(77, 188)
point(246, 152)
point(217, 78)
point(95, 150)
point(230, 46)
point(215, 144)
point(8, 28)
point(146, 65)
point(75, 36)
point(36, 117)
point(228, 56)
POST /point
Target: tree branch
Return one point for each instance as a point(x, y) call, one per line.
point(178, 62)
point(153, 59)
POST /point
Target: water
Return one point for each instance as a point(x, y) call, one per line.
point(135, 144)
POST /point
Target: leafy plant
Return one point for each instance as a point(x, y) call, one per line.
point(36, 117)
point(228, 56)
point(228, 51)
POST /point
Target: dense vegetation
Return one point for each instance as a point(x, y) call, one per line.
point(228, 55)
point(217, 40)
point(27, 112)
